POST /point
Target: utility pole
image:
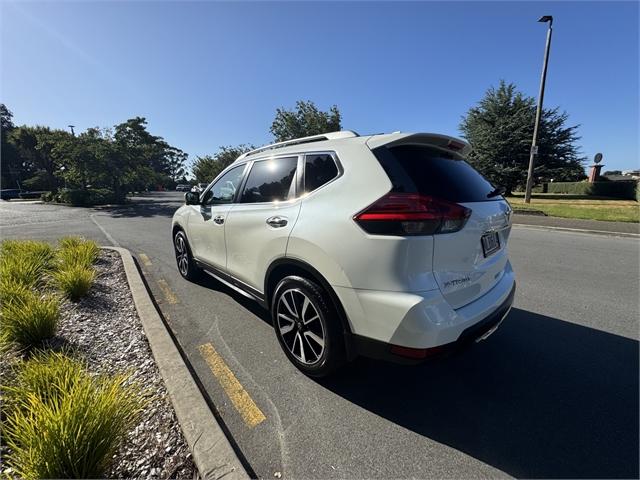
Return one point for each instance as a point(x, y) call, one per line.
point(534, 144)
point(84, 169)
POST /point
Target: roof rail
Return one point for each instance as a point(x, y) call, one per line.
point(298, 141)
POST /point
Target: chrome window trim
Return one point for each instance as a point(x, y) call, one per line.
point(299, 194)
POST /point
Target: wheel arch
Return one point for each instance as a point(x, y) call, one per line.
point(286, 266)
point(175, 228)
point(178, 227)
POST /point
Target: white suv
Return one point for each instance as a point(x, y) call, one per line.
point(389, 246)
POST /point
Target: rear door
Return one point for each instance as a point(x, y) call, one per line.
point(258, 227)
point(467, 263)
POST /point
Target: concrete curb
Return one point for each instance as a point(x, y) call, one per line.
point(213, 454)
point(578, 230)
point(538, 213)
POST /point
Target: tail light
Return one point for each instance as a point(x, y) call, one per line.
point(412, 214)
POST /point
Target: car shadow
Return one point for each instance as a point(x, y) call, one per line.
point(541, 398)
point(249, 304)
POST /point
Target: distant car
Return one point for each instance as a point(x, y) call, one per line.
point(183, 187)
point(389, 246)
point(31, 193)
point(10, 193)
point(13, 193)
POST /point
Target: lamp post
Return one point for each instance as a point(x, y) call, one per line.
point(72, 132)
point(534, 144)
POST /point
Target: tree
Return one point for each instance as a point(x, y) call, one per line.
point(500, 129)
point(10, 168)
point(143, 159)
point(35, 147)
point(207, 167)
point(6, 119)
point(127, 158)
point(85, 159)
point(304, 121)
point(176, 160)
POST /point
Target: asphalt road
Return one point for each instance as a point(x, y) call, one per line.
point(553, 393)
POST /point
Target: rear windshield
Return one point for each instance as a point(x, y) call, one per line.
point(425, 170)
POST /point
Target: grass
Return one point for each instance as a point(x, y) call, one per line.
point(62, 422)
point(74, 280)
point(26, 247)
point(77, 251)
point(582, 207)
point(70, 242)
point(26, 318)
point(26, 262)
point(58, 419)
point(29, 317)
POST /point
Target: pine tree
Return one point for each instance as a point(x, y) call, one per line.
point(500, 129)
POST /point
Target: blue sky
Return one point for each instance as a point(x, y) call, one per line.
point(207, 74)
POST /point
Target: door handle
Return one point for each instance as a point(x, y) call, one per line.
point(277, 222)
point(219, 219)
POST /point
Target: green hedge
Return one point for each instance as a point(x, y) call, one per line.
point(625, 189)
point(83, 198)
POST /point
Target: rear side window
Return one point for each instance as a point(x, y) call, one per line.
point(318, 170)
point(270, 181)
point(428, 171)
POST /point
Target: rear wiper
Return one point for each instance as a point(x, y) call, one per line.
point(499, 190)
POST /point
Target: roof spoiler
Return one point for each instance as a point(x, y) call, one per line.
point(298, 141)
point(443, 142)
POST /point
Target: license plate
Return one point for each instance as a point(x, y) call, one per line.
point(490, 243)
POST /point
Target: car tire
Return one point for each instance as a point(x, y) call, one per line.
point(307, 326)
point(184, 260)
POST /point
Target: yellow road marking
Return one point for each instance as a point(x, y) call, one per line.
point(250, 412)
point(169, 296)
point(145, 260)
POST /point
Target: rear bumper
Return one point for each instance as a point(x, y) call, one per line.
point(371, 348)
point(422, 320)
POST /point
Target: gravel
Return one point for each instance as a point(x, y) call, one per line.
point(103, 328)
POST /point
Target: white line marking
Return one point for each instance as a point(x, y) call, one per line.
point(577, 230)
point(106, 234)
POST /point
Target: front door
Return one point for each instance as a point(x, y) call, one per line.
point(207, 221)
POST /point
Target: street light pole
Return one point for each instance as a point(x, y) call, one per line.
point(72, 132)
point(534, 144)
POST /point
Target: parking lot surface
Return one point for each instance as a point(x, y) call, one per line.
point(553, 393)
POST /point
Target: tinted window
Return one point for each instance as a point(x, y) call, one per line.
point(270, 181)
point(224, 190)
point(417, 169)
point(319, 169)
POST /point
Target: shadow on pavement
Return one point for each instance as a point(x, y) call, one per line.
point(251, 305)
point(158, 205)
point(541, 398)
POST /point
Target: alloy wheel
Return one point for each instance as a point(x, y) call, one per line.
point(300, 326)
point(182, 255)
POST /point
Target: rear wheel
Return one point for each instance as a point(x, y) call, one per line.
point(184, 260)
point(307, 326)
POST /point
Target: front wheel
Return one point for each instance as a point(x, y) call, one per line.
point(184, 260)
point(307, 326)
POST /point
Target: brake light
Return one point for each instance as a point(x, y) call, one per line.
point(412, 214)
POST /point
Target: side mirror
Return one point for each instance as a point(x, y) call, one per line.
point(191, 198)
